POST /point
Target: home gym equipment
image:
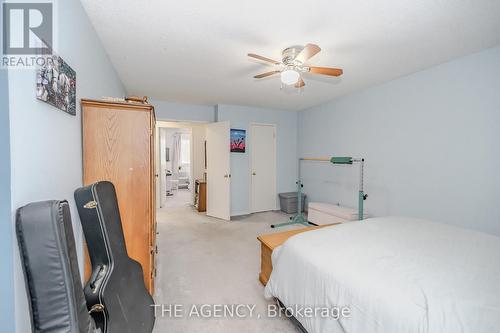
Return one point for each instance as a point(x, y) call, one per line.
point(49, 261)
point(299, 217)
point(116, 286)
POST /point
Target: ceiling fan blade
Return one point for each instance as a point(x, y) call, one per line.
point(256, 56)
point(300, 83)
point(260, 76)
point(326, 71)
point(309, 51)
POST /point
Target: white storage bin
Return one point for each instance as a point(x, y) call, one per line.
point(324, 213)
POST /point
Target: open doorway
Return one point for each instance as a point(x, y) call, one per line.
point(180, 162)
point(193, 167)
point(175, 156)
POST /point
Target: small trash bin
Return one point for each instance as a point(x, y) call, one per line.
point(288, 202)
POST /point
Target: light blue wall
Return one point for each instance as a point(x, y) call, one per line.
point(241, 117)
point(431, 141)
point(165, 110)
point(286, 158)
point(6, 230)
point(46, 143)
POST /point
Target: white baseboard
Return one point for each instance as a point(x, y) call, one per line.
point(240, 214)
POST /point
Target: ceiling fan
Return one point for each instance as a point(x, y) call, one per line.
point(293, 65)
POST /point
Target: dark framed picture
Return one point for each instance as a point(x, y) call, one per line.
point(238, 137)
point(56, 84)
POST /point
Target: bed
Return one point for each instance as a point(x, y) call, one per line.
point(394, 274)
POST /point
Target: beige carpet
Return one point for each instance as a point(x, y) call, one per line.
point(203, 260)
point(179, 198)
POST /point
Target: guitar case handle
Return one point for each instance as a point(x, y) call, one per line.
point(96, 308)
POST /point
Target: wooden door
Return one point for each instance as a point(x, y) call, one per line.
point(117, 148)
point(263, 167)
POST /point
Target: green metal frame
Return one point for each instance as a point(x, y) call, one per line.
point(299, 217)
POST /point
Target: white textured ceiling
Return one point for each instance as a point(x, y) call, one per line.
point(194, 51)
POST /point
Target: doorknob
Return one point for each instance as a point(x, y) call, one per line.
point(254, 174)
point(226, 176)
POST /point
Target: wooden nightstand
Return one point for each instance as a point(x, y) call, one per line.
point(269, 242)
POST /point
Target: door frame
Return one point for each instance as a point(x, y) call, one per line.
point(173, 124)
point(250, 146)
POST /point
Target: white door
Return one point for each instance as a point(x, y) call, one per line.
point(263, 167)
point(218, 171)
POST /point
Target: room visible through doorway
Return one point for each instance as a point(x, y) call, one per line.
point(180, 162)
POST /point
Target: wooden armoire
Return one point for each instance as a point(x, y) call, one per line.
point(118, 146)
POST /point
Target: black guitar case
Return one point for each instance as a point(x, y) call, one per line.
point(50, 265)
point(117, 284)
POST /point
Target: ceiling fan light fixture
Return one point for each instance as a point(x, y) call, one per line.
point(290, 76)
point(293, 63)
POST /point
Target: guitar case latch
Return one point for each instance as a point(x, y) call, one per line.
point(90, 205)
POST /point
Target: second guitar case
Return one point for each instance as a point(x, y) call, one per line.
point(116, 285)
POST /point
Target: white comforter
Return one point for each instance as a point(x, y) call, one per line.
point(396, 274)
